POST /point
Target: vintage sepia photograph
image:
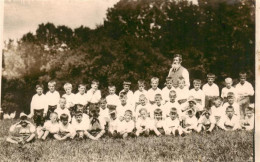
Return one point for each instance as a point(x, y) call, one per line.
point(128, 80)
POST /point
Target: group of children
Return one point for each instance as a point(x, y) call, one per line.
point(170, 111)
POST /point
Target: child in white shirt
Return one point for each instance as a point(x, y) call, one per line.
point(230, 121)
point(113, 125)
point(182, 91)
point(210, 90)
point(217, 110)
point(143, 124)
point(190, 122)
point(158, 105)
point(52, 98)
point(94, 94)
point(81, 96)
point(206, 122)
point(126, 127)
point(228, 88)
point(104, 111)
point(143, 103)
point(166, 90)
point(248, 122)
point(141, 90)
point(50, 128)
point(62, 108)
point(124, 105)
point(80, 124)
point(66, 130)
point(173, 123)
point(112, 98)
point(153, 90)
point(128, 92)
point(172, 103)
point(231, 102)
point(198, 94)
point(70, 97)
point(159, 122)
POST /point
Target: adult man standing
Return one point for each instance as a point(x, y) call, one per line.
point(178, 71)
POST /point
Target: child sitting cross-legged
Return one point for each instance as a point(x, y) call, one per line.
point(190, 122)
point(206, 122)
point(126, 127)
point(113, 124)
point(66, 130)
point(80, 124)
point(21, 132)
point(50, 127)
point(159, 122)
point(173, 123)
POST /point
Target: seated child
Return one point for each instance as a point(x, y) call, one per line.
point(80, 124)
point(210, 90)
point(80, 108)
point(66, 130)
point(126, 90)
point(172, 103)
point(153, 90)
point(70, 97)
point(159, 122)
point(206, 122)
point(21, 132)
point(182, 91)
point(166, 90)
point(112, 98)
point(94, 94)
point(191, 105)
point(39, 107)
point(124, 105)
point(190, 122)
point(198, 94)
point(52, 98)
point(113, 124)
point(61, 109)
point(228, 88)
point(217, 110)
point(144, 124)
point(231, 102)
point(141, 90)
point(248, 122)
point(230, 121)
point(173, 123)
point(50, 127)
point(126, 127)
point(96, 127)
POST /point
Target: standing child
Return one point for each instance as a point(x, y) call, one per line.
point(104, 111)
point(190, 122)
point(39, 107)
point(52, 98)
point(248, 122)
point(21, 132)
point(228, 88)
point(70, 97)
point(80, 124)
point(126, 127)
point(210, 90)
point(172, 123)
point(229, 121)
point(166, 90)
point(66, 130)
point(94, 94)
point(81, 96)
point(141, 90)
point(153, 90)
point(244, 90)
point(206, 122)
point(62, 108)
point(96, 127)
point(112, 98)
point(182, 91)
point(50, 128)
point(128, 92)
point(198, 94)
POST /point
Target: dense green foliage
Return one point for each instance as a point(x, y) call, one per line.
point(136, 41)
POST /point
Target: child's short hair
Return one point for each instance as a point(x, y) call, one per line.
point(64, 117)
point(230, 94)
point(53, 113)
point(128, 112)
point(155, 79)
point(143, 109)
point(112, 87)
point(102, 100)
point(172, 93)
point(127, 83)
point(178, 55)
point(157, 111)
point(78, 113)
point(218, 98)
point(169, 80)
point(158, 95)
point(52, 82)
point(141, 83)
point(173, 109)
point(230, 107)
point(228, 80)
point(211, 75)
point(142, 96)
point(196, 81)
point(79, 106)
point(242, 74)
point(95, 82)
point(180, 79)
point(39, 86)
point(67, 85)
point(122, 95)
point(81, 85)
point(63, 98)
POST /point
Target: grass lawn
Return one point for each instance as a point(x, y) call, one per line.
point(217, 146)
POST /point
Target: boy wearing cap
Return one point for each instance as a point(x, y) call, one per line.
point(94, 94)
point(182, 91)
point(228, 88)
point(126, 127)
point(21, 132)
point(39, 107)
point(206, 122)
point(229, 121)
point(141, 90)
point(172, 123)
point(153, 90)
point(112, 98)
point(248, 122)
point(61, 109)
point(166, 90)
point(190, 122)
point(70, 97)
point(52, 98)
point(210, 90)
point(231, 102)
point(198, 94)
point(244, 90)
point(128, 92)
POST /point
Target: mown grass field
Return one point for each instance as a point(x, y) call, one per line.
point(217, 146)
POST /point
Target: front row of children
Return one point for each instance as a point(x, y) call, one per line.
point(95, 124)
